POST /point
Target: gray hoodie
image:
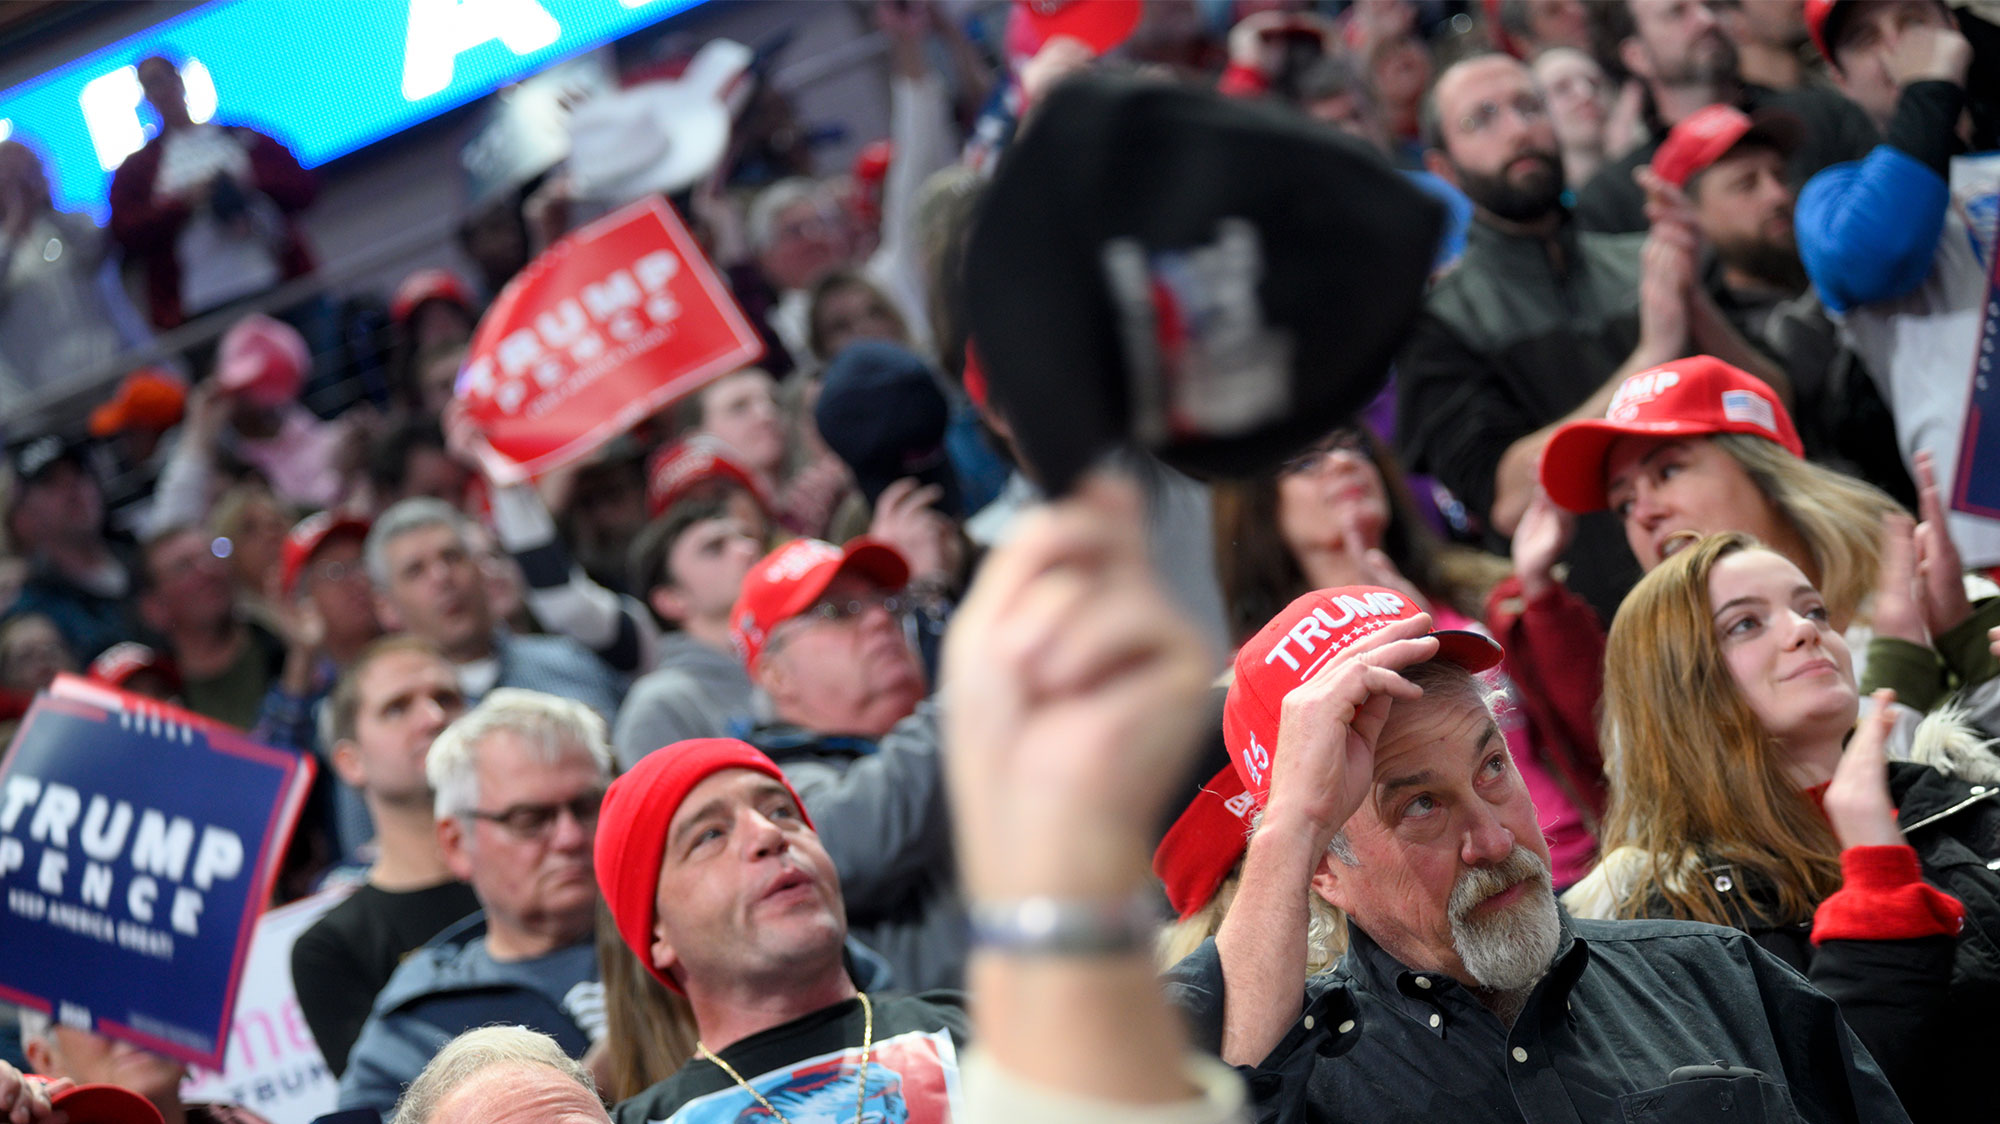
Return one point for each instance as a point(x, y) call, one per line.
point(694, 692)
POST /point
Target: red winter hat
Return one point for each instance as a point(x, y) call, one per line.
point(262, 359)
point(789, 579)
point(305, 539)
point(428, 285)
point(681, 467)
point(1710, 133)
point(632, 828)
point(105, 1104)
point(1203, 845)
point(1296, 644)
point(1099, 24)
point(1689, 397)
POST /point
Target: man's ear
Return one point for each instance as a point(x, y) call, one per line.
point(773, 677)
point(152, 611)
point(667, 602)
point(1440, 165)
point(1326, 881)
point(385, 612)
point(665, 959)
point(347, 763)
point(1633, 54)
point(455, 847)
point(41, 1056)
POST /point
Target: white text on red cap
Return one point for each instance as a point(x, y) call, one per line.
point(1319, 624)
point(1639, 390)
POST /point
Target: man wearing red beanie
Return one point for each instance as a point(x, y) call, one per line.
point(824, 632)
point(719, 885)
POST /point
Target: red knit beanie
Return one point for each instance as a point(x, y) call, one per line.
point(632, 828)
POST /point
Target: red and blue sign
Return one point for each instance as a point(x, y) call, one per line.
point(137, 846)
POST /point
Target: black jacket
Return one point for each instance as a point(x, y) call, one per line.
point(1518, 335)
point(1923, 1007)
point(1608, 1035)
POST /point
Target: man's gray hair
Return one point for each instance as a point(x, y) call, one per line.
point(552, 727)
point(472, 1053)
point(762, 223)
point(413, 514)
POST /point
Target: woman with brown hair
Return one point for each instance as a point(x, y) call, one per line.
point(1340, 514)
point(1738, 799)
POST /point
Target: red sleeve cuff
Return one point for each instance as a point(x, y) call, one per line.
point(1883, 897)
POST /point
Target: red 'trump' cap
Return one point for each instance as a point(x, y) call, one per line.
point(1202, 846)
point(1708, 135)
point(1689, 397)
point(1296, 644)
point(789, 579)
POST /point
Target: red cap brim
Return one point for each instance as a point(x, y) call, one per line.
point(106, 1104)
point(1469, 650)
point(1572, 465)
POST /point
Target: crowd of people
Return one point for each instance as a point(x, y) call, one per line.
point(1598, 726)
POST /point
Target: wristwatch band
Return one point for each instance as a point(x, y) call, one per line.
point(1064, 926)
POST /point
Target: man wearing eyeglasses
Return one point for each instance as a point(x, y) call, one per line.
point(519, 780)
point(823, 632)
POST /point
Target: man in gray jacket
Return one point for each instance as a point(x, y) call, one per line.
point(822, 631)
point(690, 563)
point(518, 780)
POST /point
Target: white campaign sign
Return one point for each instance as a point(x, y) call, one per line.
point(272, 1067)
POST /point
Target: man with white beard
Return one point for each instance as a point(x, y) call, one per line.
point(1465, 994)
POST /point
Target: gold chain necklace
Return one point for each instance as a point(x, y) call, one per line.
point(860, 1095)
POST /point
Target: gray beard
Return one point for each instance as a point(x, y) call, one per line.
point(1508, 953)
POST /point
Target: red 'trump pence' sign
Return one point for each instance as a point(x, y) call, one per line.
point(609, 325)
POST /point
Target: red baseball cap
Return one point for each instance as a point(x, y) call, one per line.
point(263, 359)
point(686, 465)
point(117, 664)
point(632, 827)
point(150, 398)
point(1688, 397)
point(305, 539)
point(1819, 13)
point(428, 285)
point(1099, 24)
point(1203, 845)
point(1710, 133)
point(105, 1104)
point(1296, 644)
point(791, 578)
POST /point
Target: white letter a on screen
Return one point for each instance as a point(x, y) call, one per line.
point(442, 30)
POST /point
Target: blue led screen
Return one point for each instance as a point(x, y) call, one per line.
point(325, 77)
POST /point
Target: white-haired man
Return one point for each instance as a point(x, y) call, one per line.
point(1466, 993)
point(502, 1075)
point(519, 780)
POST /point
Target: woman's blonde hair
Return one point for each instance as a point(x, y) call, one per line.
point(1693, 770)
point(1839, 517)
point(649, 1030)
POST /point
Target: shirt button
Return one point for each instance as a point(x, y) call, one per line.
point(1309, 1022)
point(1437, 1020)
point(1347, 1026)
point(1520, 1055)
point(1423, 982)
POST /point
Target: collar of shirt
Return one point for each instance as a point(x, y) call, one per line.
point(1432, 999)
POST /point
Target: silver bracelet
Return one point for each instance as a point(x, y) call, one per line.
point(1065, 926)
